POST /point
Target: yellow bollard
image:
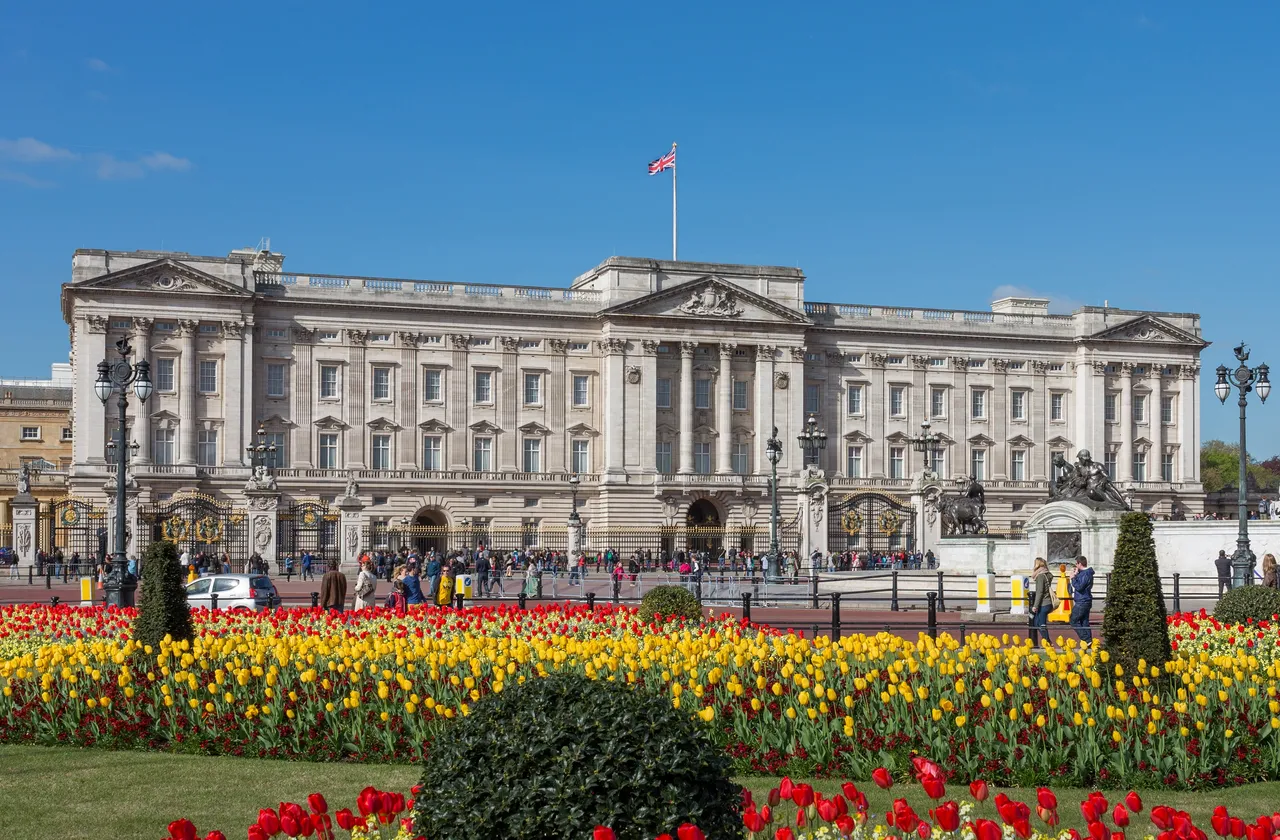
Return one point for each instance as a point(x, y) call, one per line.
point(1018, 595)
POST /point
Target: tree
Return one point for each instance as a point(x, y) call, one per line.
point(164, 608)
point(1135, 623)
point(1220, 467)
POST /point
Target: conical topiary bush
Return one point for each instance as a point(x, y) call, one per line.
point(1134, 622)
point(163, 609)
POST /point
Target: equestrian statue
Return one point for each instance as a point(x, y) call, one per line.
point(964, 514)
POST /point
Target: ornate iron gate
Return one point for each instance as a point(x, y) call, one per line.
point(871, 521)
point(308, 526)
point(80, 528)
point(199, 524)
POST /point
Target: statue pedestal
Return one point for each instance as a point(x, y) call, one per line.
point(24, 507)
point(352, 521)
point(263, 524)
point(1063, 528)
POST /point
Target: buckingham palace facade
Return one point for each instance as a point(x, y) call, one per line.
point(397, 403)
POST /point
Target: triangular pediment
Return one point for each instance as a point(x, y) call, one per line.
point(857, 436)
point(980, 440)
point(1021, 440)
point(708, 298)
point(1058, 442)
point(330, 423)
point(435, 426)
point(164, 276)
point(534, 430)
point(275, 421)
point(704, 429)
point(1147, 329)
point(382, 424)
point(897, 437)
point(484, 427)
point(582, 430)
point(664, 429)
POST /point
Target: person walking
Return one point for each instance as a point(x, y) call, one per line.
point(1041, 601)
point(1223, 563)
point(412, 586)
point(333, 589)
point(306, 566)
point(1269, 571)
point(482, 573)
point(1082, 599)
point(366, 585)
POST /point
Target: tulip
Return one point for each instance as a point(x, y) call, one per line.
point(785, 788)
point(882, 778)
point(1117, 835)
point(689, 831)
point(1220, 821)
point(987, 830)
point(1022, 828)
point(775, 796)
point(828, 810)
point(182, 830)
point(215, 835)
point(290, 826)
point(845, 825)
point(1074, 835)
point(748, 801)
point(1162, 817)
point(979, 791)
point(784, 833)
point(933, 787)
point(751, 819)
point(602, 832)
point(1120, 816)
point(1046, 799)
point(1049, 816)
point(346, 819)
point(947, 816)
point(256, 833)
point(1134, 802)
point(924, 831)
point(802, 795)
point(1098, 831)
point(269, 822)
point(317, 804)
point(1237, 828)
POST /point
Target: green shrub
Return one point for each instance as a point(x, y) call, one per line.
point(668, 601)
point(554, 757)
point(163, 606)
point(1259, 603)
point(1134, 622)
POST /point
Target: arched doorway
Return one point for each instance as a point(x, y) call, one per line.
point(429, 529)
point(705, 527)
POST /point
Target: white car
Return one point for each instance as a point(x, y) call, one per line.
point(234, 592)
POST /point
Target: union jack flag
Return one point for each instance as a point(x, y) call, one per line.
point(667, 161)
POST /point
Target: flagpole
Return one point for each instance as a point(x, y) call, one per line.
point(673, 205)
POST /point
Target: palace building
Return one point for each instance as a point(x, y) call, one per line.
point(398, 408)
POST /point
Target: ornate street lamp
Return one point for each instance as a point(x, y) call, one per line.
point(261, 454)
point(926, 443)
point(115, 378)
point(1244, 379)
point(813, 440)
point(574, 519)
point(773, 451)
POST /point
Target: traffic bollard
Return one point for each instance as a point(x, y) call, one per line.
point(933, 615)
point(457, 600)
point(1177, 593)
point(213, 601)
point(893, 598)
point(315, 600)
point(523, 600)
point(591, 601)
point(942, 599)
point(746, 607)
point(835, 615)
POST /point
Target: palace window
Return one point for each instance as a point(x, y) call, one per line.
point(1166, 410)
point(1057, 407)
point(580, 456)
point(483, 387)
point(978, 407)
point(162, 445)
point(853, 467)
point(855, 399)
point(208, 376)
point(277, 458)
point(897, 401)
point(1018, 464)
point(275, 380)
point(382, 384)
point(938, 402)
point(897, 462)
point(381, 452)
point(328, 382)
point(1139, 408)
point(328, 451)
point(1166, 467)
point(1109, 408)
point(482, 454)
point(432, 452)
point(431, 386)
point(739, 395)
point(533, 389)
point(1018, 405)
point(31, 433)
point(1109, 464)
point(662, 457)
point(532, 455)
point(1139, 466)
point(702, 393)
point(978, 464)
point(663, 393)
point(581, 391)
point(738, 458)
point(702, 458)
point(164, 376)
point(207, 447)
point(812, 398)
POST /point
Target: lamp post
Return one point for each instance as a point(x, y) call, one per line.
point(404, 530)
point(773, 451)
point(261, 454)
point(115, 378)
point(574, 519)
point(926, 443)
point(813, 440)
point(1244, 379)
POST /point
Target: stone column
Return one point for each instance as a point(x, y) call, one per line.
point(1086, 414)
point(999, 414)
point(1038, 405)
point(724, 410)
point(355, 401)
point(263, 524)
point(1124, 465)
point(614, 417)
point(459, 448)
point(304, 399)
point(1188, 445)
point(408, 404)
point(875, 405)
point(763, 408)
point(646, 431)
point(237, 394)
point(1154, 421)
point(508, 396)
point(187, 425)
point(557, 443)
point(351, 522)
point(142, 418)
point(25, 514)
point(90, 347)
point(686, 407)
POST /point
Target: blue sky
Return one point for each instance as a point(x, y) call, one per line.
point(907, 153)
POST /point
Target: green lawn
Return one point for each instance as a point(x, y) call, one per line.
point(69, 793)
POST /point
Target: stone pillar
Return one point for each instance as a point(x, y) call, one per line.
point(558, 451)
point(999, 420)
point(263, 524)
point(142, 419)
point(687, 349)
point(724, 410)
point(187, 426)
point(1188, 440)
point(646, 432)
point(352, 521)
point(615, 430)
point(25, 507)
point(1086, 413)
point(763, 408)
point(1155, 423)
point(408, 403)
point(1124, 459)
point(575, 536)
point(508, 395)
point(237, 394)
point(89, 443)
point(303, 392)
point(355, 401)
point(875, 405)
point(459, 448)
point(812, 501)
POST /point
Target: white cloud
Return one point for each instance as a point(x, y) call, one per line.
point(1058, 304)
point(24, 178)
point(164, 160)
point(97, 65)
point(31, 150)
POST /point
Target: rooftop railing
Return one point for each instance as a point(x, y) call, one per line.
point(412, 288)
point(907, 313)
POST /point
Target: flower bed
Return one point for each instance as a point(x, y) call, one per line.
point(798, 812)
point(263, 684)
point(1200, 635)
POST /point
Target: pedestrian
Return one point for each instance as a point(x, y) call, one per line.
point(396, 599)
point(1041, 601)
point(433, 578)
point(1223, 562)
point(1082, 599)
point(411, 585)
point(1269, 571)
point(333, 589)
point(306, 566)
point(366, 585)
point(482, 573)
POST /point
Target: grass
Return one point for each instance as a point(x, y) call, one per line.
point(69, 793)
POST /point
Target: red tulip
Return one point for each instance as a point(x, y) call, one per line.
point(269, 822)
point(979, 791)
point(904, 817)
point(1162, 817)
point(182, 830)
point(845, 825)
point(290, 826)
point(882, 778)
point(924, 768)
point(1022, 828)
point(1049, 816)
point(751, 819)
point(775, 796)
point(603, 833)
point(1087, 811)
point(924, 830)
point(256, 832)
point(1098, 831)
point(1046, 799)
point(369, 801)
point(346, 819)
point(215, 835)
point(802, 795)
point(1237, 828)
point(933, 787)
point(689, 831)
point(1120, 816)
point(947, 816)
point(1099, 803)
point(987, 830)
point(1117, 835)
point(1134, 802)
point(828, 810)
point(1220, 821)
point(784, 833)
point(767, 813)
point(748, 801)
point(659, 837)
point(786, 788)
point(317, 804)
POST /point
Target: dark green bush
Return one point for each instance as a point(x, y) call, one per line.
point(162, 607)
point(668, 601)
point(555, 757)
point(1259, 603)
point(1134, 622)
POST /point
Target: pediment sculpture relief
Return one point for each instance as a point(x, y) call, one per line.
point(712, 302)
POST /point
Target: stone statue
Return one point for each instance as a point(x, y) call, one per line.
point(966, 512)
point(261, 480)
point(24, 478)
point(353, 489)
point(1086, 481)
point(711, 301)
